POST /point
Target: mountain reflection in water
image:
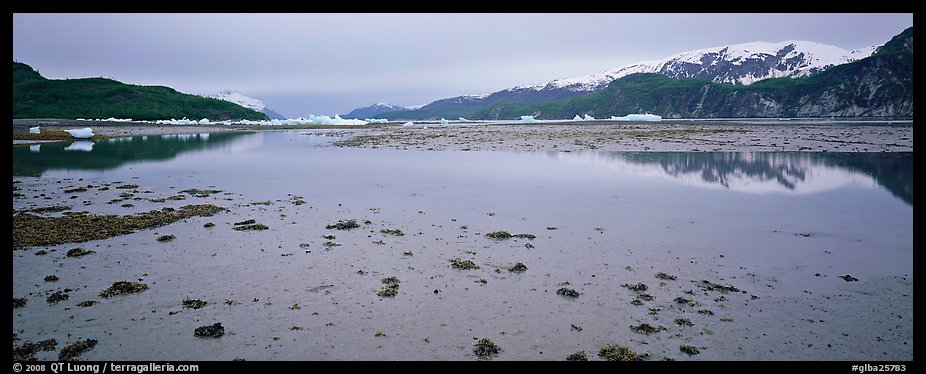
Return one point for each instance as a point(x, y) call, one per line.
point(760, 172)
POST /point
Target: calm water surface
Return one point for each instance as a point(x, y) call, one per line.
point(711, 199)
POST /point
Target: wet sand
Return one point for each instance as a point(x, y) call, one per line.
point(284, 294)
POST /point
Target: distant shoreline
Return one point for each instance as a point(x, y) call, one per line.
point(749, 135)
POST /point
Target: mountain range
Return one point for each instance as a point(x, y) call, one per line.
point(374, 110)
point(695, 84)
point(247, 102)
point(35, 96)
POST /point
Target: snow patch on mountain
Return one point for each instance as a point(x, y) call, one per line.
point(738, 64)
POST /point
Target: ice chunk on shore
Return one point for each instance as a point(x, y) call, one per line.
point(464, 120)
point(377, 120)
point(638, 117)
point(577, 118)
point(588, 117)
point(443, 121)
point(408, 124)
point(204, 121)
point(528, 119)
point(84, 133)
point(80, 145)
point(34, 130)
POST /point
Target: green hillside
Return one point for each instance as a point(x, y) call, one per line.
point(34, 96)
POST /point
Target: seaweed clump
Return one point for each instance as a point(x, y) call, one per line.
point(502, 235)
point(710, 286)
point(683, 322)
point(391, 288)
point(578, 356)
point(87, 303)
point(518, 268)
point(689, 349)
point(200, 193)
point(194, 303)
point(486, 349)
point(646, 329)
point(249, 225)
point(77, 252)
point(639, 287)
point(34, 230)
point(394, 232)
point(619, 353)
point(123, 288)
point(665, 276)
point(209, 331)
point(71, 351)
point(166, 238)
point(26, 352)
point(56, 297)
point(19, 302)
point(344, 225)
point(568, 292)
point(459, 263)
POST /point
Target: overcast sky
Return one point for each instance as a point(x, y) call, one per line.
point(301, 64)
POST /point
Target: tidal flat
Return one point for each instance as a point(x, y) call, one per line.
point(355, 253)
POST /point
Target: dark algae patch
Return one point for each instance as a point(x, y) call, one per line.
point(683, 322)
point(123, 288)
point(619, 353)
point(710, 286)
point(26, 352)
point(19, 302)
point(33, 230)
point(251, 227)
point(394, 232)
point(51, 278)
point(77, 252)
point(639, 287)
point(568, 292)
point(344, 225)
point(502, 235)
point(518, 268)
point(166, 238)
point(391, 288)
point(486, 349)
point(57, 296)
point(848, 278)
point(209, 331)
point(459, 263)
point(87, 303)
point(665, 276)
point(578, 356)
point(194, 303)
point(646, 329)
point(689, 349)
point(71, 351)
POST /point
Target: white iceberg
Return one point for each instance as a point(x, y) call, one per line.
point(35, 148)
point(34, 130)
point(577, 118)
point(111, 119)
point(80, 145)
point(528, 119)
point(443, 121)
point(588, 117)
point(377, 120)
point(84, 133)
point(408, 124)
point(204, 121)
point(464, 120)
point(638, 117)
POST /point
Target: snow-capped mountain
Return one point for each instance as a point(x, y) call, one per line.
point(247, 102)
point(737, 64)
point(376, 109)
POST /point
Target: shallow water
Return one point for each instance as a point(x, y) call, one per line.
point(767, 223)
